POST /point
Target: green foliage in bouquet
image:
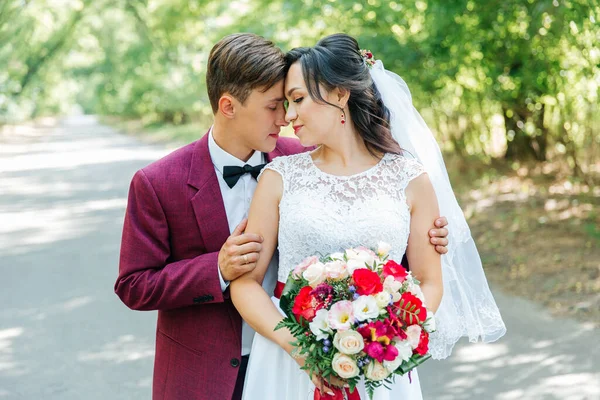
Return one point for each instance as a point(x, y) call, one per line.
point(308, 344)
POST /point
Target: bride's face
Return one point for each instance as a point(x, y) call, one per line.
point(313, 122)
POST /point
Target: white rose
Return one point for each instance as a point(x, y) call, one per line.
point(336, 270)
point(404, 354)
point(392, 286)
point(351, 254)
point(429, 324)
point(365, 307)
point(414, 335)
point(364, 255)
point(404, 350)
point(383, 299)
point(416, 290)
point(376, 371)
point(383, 249)
point(393, 365)
point(354, 264)
point(344, 366)
point(348, 342)
point(319, 324)
point(367, 257)
point(314, 274)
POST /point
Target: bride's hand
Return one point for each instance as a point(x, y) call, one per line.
point(325, 386)
point(320, 383)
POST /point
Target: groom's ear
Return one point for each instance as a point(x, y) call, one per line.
point(227, 106)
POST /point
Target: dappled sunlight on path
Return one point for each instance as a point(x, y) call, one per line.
point(64, 334)
point(539, 358)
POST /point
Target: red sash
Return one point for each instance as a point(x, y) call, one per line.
point(338, 394)
point(279, 289)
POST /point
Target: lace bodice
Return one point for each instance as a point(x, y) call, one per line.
point(324, 213)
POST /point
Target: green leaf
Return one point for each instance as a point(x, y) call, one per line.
point(291, 288)
point(412, 363)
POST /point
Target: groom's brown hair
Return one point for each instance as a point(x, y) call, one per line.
point(240, 63)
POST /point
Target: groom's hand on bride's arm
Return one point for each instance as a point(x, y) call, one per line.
point(239, 254)
point(439, 235)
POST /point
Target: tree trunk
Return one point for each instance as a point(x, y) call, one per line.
point(540, 142)
point(457, 138)
point(522, 146)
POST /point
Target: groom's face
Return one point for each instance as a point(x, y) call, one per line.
point(261, 117)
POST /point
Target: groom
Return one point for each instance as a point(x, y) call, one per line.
point(183, 237)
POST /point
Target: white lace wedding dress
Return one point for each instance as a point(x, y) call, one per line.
point(323, 213)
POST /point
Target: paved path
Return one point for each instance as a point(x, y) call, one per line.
point(65, 335)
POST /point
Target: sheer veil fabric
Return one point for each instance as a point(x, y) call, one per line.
point(468, 307)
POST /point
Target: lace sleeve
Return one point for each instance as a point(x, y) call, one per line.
point(278, 165)
point(407, 169)
point(413, 169)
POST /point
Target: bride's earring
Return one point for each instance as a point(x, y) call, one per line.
point(343, 118)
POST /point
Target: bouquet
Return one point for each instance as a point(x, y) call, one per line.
point(356, 314)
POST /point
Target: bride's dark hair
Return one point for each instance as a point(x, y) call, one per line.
point(336, 62)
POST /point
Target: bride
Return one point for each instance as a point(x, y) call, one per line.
point(377, 175)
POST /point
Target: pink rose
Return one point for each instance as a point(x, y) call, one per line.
point(300, 268)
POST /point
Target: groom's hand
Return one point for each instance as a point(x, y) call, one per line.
point(439, 236)
point(239, 254)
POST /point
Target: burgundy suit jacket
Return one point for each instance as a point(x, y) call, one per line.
point(175, 225)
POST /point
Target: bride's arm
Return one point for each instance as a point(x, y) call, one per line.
point(247, 294)
point(424, 260)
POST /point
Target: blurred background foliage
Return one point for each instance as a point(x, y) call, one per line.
point(496, 80)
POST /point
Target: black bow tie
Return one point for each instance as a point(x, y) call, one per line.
point(232, 174)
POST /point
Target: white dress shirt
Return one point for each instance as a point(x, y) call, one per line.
point(237, 203)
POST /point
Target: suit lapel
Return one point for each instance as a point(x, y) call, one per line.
point(207, 202)
point(274, 154)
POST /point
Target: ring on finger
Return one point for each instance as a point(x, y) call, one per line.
point(245, 258)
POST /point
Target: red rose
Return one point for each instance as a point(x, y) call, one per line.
point(367, 282)
point(394, 269)
point(306, 304)
point(423, 346)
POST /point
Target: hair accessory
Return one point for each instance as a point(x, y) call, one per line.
point(368, 57)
